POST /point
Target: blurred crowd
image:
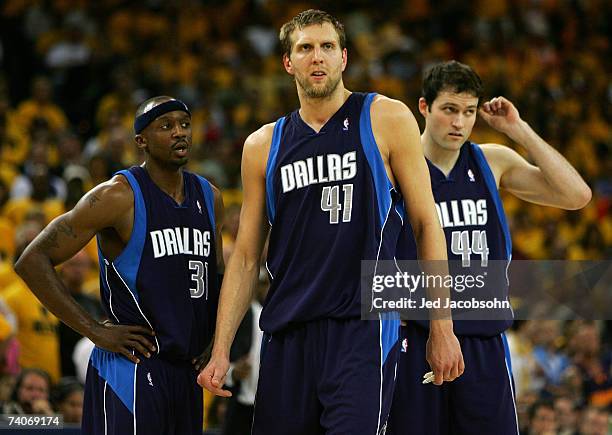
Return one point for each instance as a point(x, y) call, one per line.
point(72, 73)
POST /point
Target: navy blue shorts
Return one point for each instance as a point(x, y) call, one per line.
point(481, 401)
point(329, 376)
point(153, 397)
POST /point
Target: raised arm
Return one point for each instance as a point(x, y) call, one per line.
point(243, 266)
point(103, 208)
point(397, 135)
point(552, 181)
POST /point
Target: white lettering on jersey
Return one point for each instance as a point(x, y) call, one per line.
point(319, 169)
point(176, 241)
point(465, 212)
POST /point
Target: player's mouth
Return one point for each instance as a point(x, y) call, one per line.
point(318, 75)
point(456, 135)
point(180, 149)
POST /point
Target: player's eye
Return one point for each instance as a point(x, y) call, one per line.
point(328, 46)
point(185, 124)
point(470, 112)
point(305, 47)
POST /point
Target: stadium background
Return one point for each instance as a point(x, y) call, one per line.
point(73, 71)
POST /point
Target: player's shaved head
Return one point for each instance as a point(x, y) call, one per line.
point(151, 103)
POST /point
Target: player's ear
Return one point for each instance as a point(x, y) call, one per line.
point(287, 63)
point(423, 107)
point(141, 142)
point(344, 58)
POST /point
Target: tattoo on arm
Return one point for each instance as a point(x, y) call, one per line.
point(50, 240)
point(63, 227)
point(92, 200)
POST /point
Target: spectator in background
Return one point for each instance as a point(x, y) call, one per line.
point(593, 365)
point(73, 274)
point(41, 107)
point(36, 326)
point(550, 362)
point(30, 394)
point(542, 420)
point(595, 421)
point(67, 399)
point(566, 415)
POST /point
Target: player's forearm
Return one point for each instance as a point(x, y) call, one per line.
point(558, 172)
point(431, 245)
point(38, 273)
point(236, 294)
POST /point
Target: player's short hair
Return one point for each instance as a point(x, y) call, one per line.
point(451, 76)
point(305, 19)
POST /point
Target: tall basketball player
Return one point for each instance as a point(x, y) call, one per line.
point(328, 175)
point(465, 179)
point(158, 230)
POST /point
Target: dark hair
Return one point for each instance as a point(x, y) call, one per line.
point(64, 388)
point(22, 375)
point(305, 19)
point(540, 403)
point(451, 76)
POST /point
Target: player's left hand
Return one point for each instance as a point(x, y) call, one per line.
point(444, 354)
point(500, 114)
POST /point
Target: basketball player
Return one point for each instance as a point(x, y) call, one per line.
point(328, 176)
point(465, 179)
point(158, 231)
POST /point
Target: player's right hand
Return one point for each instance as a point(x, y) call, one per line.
point(124, 339)
point(213, 376)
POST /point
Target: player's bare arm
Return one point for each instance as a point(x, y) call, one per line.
point(108, 209)
point(243, 266)
point(397, 134)
point(552, 181)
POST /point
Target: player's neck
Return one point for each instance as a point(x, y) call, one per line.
point(169, 180)
point(442, 158)
point(317, 111)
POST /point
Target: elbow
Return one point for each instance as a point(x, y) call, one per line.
point(21, 264)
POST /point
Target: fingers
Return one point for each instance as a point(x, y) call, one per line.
point(137, 329)
point(212, 379)
point(129, 355)
point(438, 377)
point(143, 342)
point(138, 347)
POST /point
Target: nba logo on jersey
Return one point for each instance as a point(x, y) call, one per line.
point(471, 176)
point(199, 206)
point(405, 345)
point(346, 124)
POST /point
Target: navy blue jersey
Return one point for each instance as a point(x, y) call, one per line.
point(474, 223)
point(166, 277)
point(330, 205)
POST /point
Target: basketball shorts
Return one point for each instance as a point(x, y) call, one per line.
point(330, 376)
point(481, 401)
point(153, 397)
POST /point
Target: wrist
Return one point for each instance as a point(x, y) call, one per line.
point(440, 326)
point(520, 132)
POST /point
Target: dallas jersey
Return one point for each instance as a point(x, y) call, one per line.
point(330, 205)
point(472, 216)
point(166, 277)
